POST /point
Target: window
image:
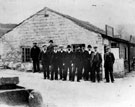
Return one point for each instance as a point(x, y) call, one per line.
point(114, 45)
point(26, 54)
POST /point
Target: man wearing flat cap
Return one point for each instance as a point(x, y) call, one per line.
point(108, 64)
point(35, 52)
point(45, 61)
point(96, 64)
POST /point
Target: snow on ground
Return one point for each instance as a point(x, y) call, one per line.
point(79, 94)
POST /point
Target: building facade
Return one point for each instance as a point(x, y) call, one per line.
point(48, 25)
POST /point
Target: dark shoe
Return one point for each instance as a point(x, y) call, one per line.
point(112, 81)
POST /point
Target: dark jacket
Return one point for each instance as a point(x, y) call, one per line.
point(68, 58)
point(35, 52)
point(78, 58)
point(55, 58)
point(61, 56)
point(90, 58)
point(50, 48)
point(109, 59)
point(97, 60)
point(44, 58)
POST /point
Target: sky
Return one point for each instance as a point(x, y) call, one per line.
point(97, 12)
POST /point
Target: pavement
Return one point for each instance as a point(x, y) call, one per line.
point(59, 93)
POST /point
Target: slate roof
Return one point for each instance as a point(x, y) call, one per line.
point(81, 23)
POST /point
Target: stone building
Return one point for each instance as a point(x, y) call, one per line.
point(62, 29)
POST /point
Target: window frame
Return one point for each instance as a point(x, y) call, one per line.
point(25, 50)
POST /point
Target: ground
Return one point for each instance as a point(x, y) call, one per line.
point(59, 93)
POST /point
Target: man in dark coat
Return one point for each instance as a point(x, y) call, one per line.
point(68, 63)
point(108, 64)
point(88, 62)
point(61, 55)
point(96, 64)
point(35, 52)
point(54, 71)
point(79, 63)
point(50, 50)
point(45, 61)
point(84, 54)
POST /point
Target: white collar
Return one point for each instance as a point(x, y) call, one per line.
point(55, 51)
point(89, 52)
point(69, 51)
point(95, 52)
point(44, 51)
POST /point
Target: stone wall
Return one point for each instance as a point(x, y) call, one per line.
point(41, 29)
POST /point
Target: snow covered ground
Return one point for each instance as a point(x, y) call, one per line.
point(79, 94)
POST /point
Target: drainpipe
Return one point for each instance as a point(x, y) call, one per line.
point(129, 54)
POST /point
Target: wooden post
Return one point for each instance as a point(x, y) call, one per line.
point(129, 57)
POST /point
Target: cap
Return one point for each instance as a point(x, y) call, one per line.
point(34, 43)
point(95, 47)
point(51, 41)
point(107, 47)
point(89, 46)
point(68, 46)
point(44, 45)
point(61, 46)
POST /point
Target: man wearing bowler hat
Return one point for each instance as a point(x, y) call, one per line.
point(88, 68)
point(68, 63)
point(35, 52)
point(50, 48)
point(54, 71)
point(108, 64)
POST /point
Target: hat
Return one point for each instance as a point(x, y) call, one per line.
point(61, 46)
point(68, 46)
point(89, 46)
point(107, 47)
point(44, 45)
point(34, 43)
point(95, 47)
point(51, 41)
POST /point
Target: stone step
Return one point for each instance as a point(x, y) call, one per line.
point(9, 80)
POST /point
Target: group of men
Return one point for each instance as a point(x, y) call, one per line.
point(85, 64)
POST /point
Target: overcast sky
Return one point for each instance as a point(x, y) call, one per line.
point(98, 12)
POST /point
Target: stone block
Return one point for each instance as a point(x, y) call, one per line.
point(9, 80)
